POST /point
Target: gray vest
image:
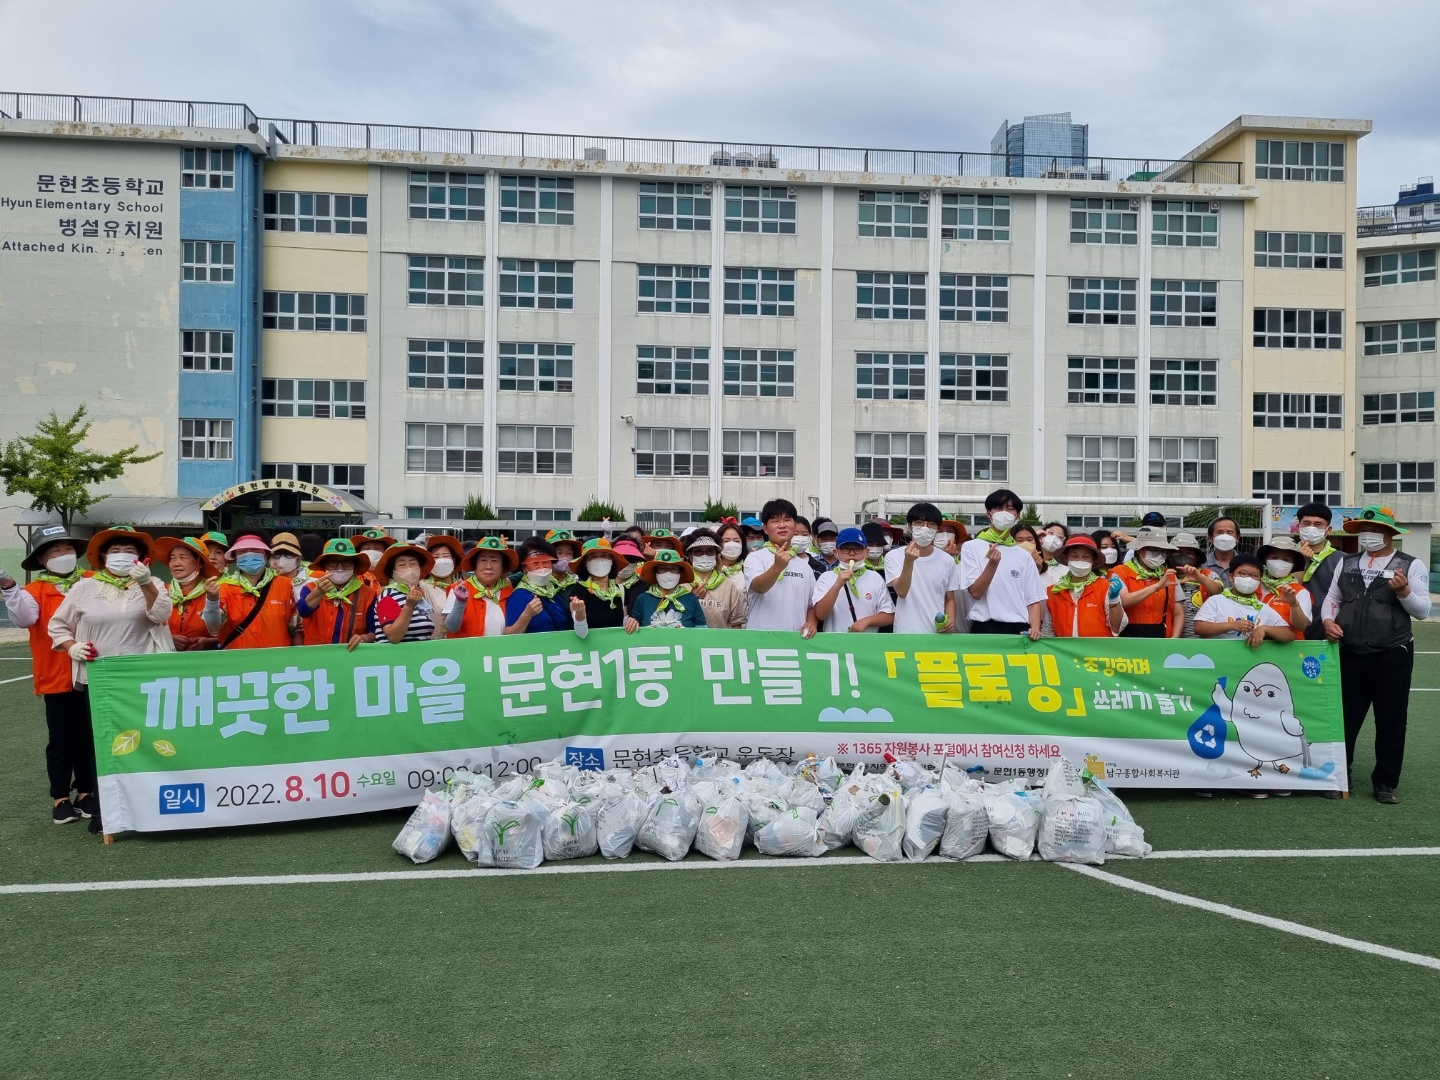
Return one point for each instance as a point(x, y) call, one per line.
point(1319, 588)
point(1372, 618)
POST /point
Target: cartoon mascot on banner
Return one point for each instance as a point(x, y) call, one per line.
point(1263, 715)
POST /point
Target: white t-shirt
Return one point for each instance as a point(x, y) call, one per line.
point(786, 604)
point(931, 577)
point(1015, 586)
point(494, 613)
point(870, 597)
point(1220, 607)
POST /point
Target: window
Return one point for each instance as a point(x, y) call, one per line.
point(1090, 522)
point(435, 513)
point(208, 260)
point(680, 206)
point(1412, 407)
point(755, 290)
point(898, 214)
point(974, 377)
point(889, 295)
point(347, 478)
point(1182, 382)
point(975, 217)
point(1400, 337)
point(537, 200)
point(201, 167)
point(320, 399)
point(207, 440)
point(889, 455)
point(1284, 159)
point(1177, 223)
point(681, 371)
point(890, 376)
point(1298, 328)
point(669, 519)
point(1295, 488)
point(447, 196)
point(537, 367)
point(1102, 301)
point(1182, 303)
point(674, 290)
point(207, 350)
point(759, 209)
point(1302, 251)
point(672, 452)
point(316, 212)
point(537, 283)
point(1397, 477)
point(1399, 267)
point(537, 451)
point(1102, 380)
point(1103, 221)
point(445, 365)
point(748, 452)
point(444, 448)
point(974, 457)
point(534, 513)
point(974, 298)
point(1099, 459)
point(1183, 461)
point(759, 372)
point(322, 312)
point(446, 281)
point(1297, 411)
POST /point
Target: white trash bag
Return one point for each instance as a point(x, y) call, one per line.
point(617, 821)
point(515, 835)
point(967, 823)
point(880, 829)
point(792, 833)
point(668, 828)
point(925, 813)
point(1072, 830)
point(1123, 836)
point(762, 808)
point(467, 825)
point(1063, 779)
point(720, 832)
point(569, 832)
point(1014, 820)
point(427, 832)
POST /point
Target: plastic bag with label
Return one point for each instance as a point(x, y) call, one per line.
point(1072, 830)
point(467, 824)
point(880, 827)
point(668, 828)
point(617, 821)
point(569, 832)
point(1123, 836)
point(515, 832)
point(792, 833)
point(797, 791)
point(427, 832)
point(925, 812)
point(1014, 820)
point(1063, 779)
point(720, 831)
point(967, 823)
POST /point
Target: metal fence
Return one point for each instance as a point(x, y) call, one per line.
point(151, 112)
point(1386, 220)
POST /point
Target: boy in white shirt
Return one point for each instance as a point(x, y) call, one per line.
point(1238, 613)
point(851, 598)
point(923, 576)
point(1006, 596)
point(780, 582)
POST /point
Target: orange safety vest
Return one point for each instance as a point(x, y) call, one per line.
point(1276, 603)
point(51, 669)
point(1152, 611)
point(186, 618)
point(270, 629)
point(1092, 610)
point(318, 628)
point(472, 623)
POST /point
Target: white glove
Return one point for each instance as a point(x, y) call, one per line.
point(140, 573)
point(83, 651)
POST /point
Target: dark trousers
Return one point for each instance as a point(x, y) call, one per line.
point(1380, 680)
point(991, 626)
point(70, 753)
point(1149, 630)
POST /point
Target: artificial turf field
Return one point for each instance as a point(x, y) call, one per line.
point(986, 969)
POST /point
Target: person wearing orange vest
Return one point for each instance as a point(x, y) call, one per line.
point(1079, 600)
point(371, 544)
point(70, 752)
point(1281, 586)
point(1148, 590)
point(189, 570)
point(215, 545)
point(253, 607)
point(338, 607)
point(476, 607)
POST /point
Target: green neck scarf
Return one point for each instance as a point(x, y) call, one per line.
point(61, 583)
point(480, 590)
point(990, 536)
point(1245, 601)
point(343, 594)
point(1146, 573)
point(670, 599)
point(254, 588)
point(111, 579)
point(179, 597)
point(1066, 582)
point(877, 565)
point(715, 579)
point(1273, 584)
point(545, 592)
point(609, 592)
point(1318, 558)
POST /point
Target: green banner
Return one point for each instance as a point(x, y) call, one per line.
point(187, 740)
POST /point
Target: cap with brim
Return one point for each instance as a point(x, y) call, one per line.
point(851, 535)
point(753, 523)
point(1374, 515)
point(896, 532)
point(40, 539)
point(449, 543)
point(629, 550)
point(600, 548)
point(1186, 540)
point(387, 560)
point(1079, 542)
point(219, 539)
point(164, 545)
point(825, 525)
point(556, 537)
point(491, 545)
point(1284, 545)
point(94, 549)
point(341, 548)
point(703, 542)
point(285, 542)
point(248, 542)
point(1150, 537)
point(666, 560)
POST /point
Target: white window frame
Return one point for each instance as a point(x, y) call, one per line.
point(1295, 328)
point(211, 261)
point(671, 209)
point(535, 450)
point(313, 399)
point(981, 298)
point(763, 291)
point(1100, 459)
point(445, 280)
point(534, 513)
point(974, 456)
point(1184, 223)
point(213, 438)
point(1393, 338)
point(889, 376)
point(1296, 488)
point(1397, 477)
point(983, 218)
point(974, 377)
point(1300, 250)
point(1300, 160)
point(309, 312)
point(666, 370)
point(461, 195)
point(751, 371)
point(1104, 221)
point(662, 452)
point(537, 284)
point(680, 290)
point(1401, 407)
point(1100, 380)
point(444, 364)
point(536, 367)
point(351, 480)
point(537, 200)
point(1297, 412)
point(1181, 381)
point(439, 449)
point(745, 452)
point(1399, 267)
point(895, 215)
point(1116, 301)
point(318, 212)
point(760, 208)
point(889, 455)
point(205, 168)
point(1176, 456)
point(1184, 302)
point(207, 350)
point(889, 294)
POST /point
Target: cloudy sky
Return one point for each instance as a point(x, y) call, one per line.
point(1151, 79)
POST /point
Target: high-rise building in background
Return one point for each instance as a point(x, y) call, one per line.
point(1045, 145)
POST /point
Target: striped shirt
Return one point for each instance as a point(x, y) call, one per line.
point(388, 608)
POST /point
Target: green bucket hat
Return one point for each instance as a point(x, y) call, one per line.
point(344, 548)
point(665, 558)
point(375, 534)
point(1374, 515)
point(217, 538)
point(664, 538)
point(497, 546)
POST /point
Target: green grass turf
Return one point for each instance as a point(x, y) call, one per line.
point(989, 970)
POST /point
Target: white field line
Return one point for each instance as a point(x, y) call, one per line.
point(15, 659)
point(1283, 925)
point(549, 869)
point(20, 678)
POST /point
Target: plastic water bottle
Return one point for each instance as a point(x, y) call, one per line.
point(939, 619)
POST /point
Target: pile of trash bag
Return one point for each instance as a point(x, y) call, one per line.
point(898, 812)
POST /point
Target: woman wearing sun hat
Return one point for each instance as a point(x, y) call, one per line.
point(216, 544)
point(1148, 589)
point(371, 544)
point(448, 554)
point(252, 607)
point(668, 601)
point(337, 605)
point(634, 558)
point(1281, 586)
point(185, 557)
point(1079, 600)
point(603, 597)
point(567, 556)
point(404, 611)
point(476, 606)
point(664, 538)
point(719, 590)
point(538, 605)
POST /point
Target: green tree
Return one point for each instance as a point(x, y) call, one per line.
point(477, 509)
point(1031, 516)
point(714, 511)
point(595, 510)
point(56, 471)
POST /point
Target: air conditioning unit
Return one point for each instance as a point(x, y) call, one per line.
point(595, 153)
point(720, 157)
point(767, 161)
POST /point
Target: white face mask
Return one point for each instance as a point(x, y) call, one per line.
point(1369, 541)
point(372, 555)
point(1278, 568)
point(827, 547)
point(539, 577)
point(285, 564)
point(1110, 555)
point(703, 562)
point(799, 543)
point(60, 564)
point(444, 567)
point(121, 563)
point(1312, 534)
point(1052, 543)
point(1224, 542)
point(874, 553)
point(1078, 568)
point(731, 549)
point(667, 581)
point(923, 535)
point(1153, 559)
point(600, 567)
point(340, 577)
point(1003, 519)
point(1245, 585)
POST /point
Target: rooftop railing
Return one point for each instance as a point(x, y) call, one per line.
point(601, 148)
point(1388, 220)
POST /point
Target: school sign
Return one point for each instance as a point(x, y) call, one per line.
point(191, 740)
